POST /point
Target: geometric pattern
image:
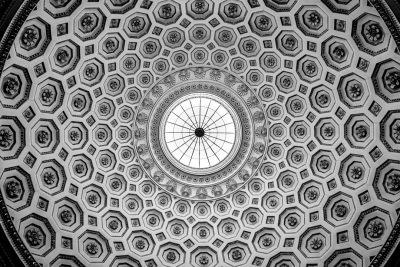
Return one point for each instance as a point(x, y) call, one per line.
point(89, 93)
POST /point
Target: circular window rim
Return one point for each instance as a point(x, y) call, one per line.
point(232, 152)
point(385, 8)
point(251, 123)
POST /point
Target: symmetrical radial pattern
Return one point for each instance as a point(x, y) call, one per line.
point(206, 160)
point(200, 133)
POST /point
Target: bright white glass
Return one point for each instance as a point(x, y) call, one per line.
point(199, 151)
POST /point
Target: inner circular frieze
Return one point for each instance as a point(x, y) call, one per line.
point(235, 133)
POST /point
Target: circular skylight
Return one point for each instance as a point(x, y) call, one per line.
point(200, 131)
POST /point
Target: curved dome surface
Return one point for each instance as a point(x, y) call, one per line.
point(200, 133)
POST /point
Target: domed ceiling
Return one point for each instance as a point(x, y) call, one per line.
point(200, 133)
